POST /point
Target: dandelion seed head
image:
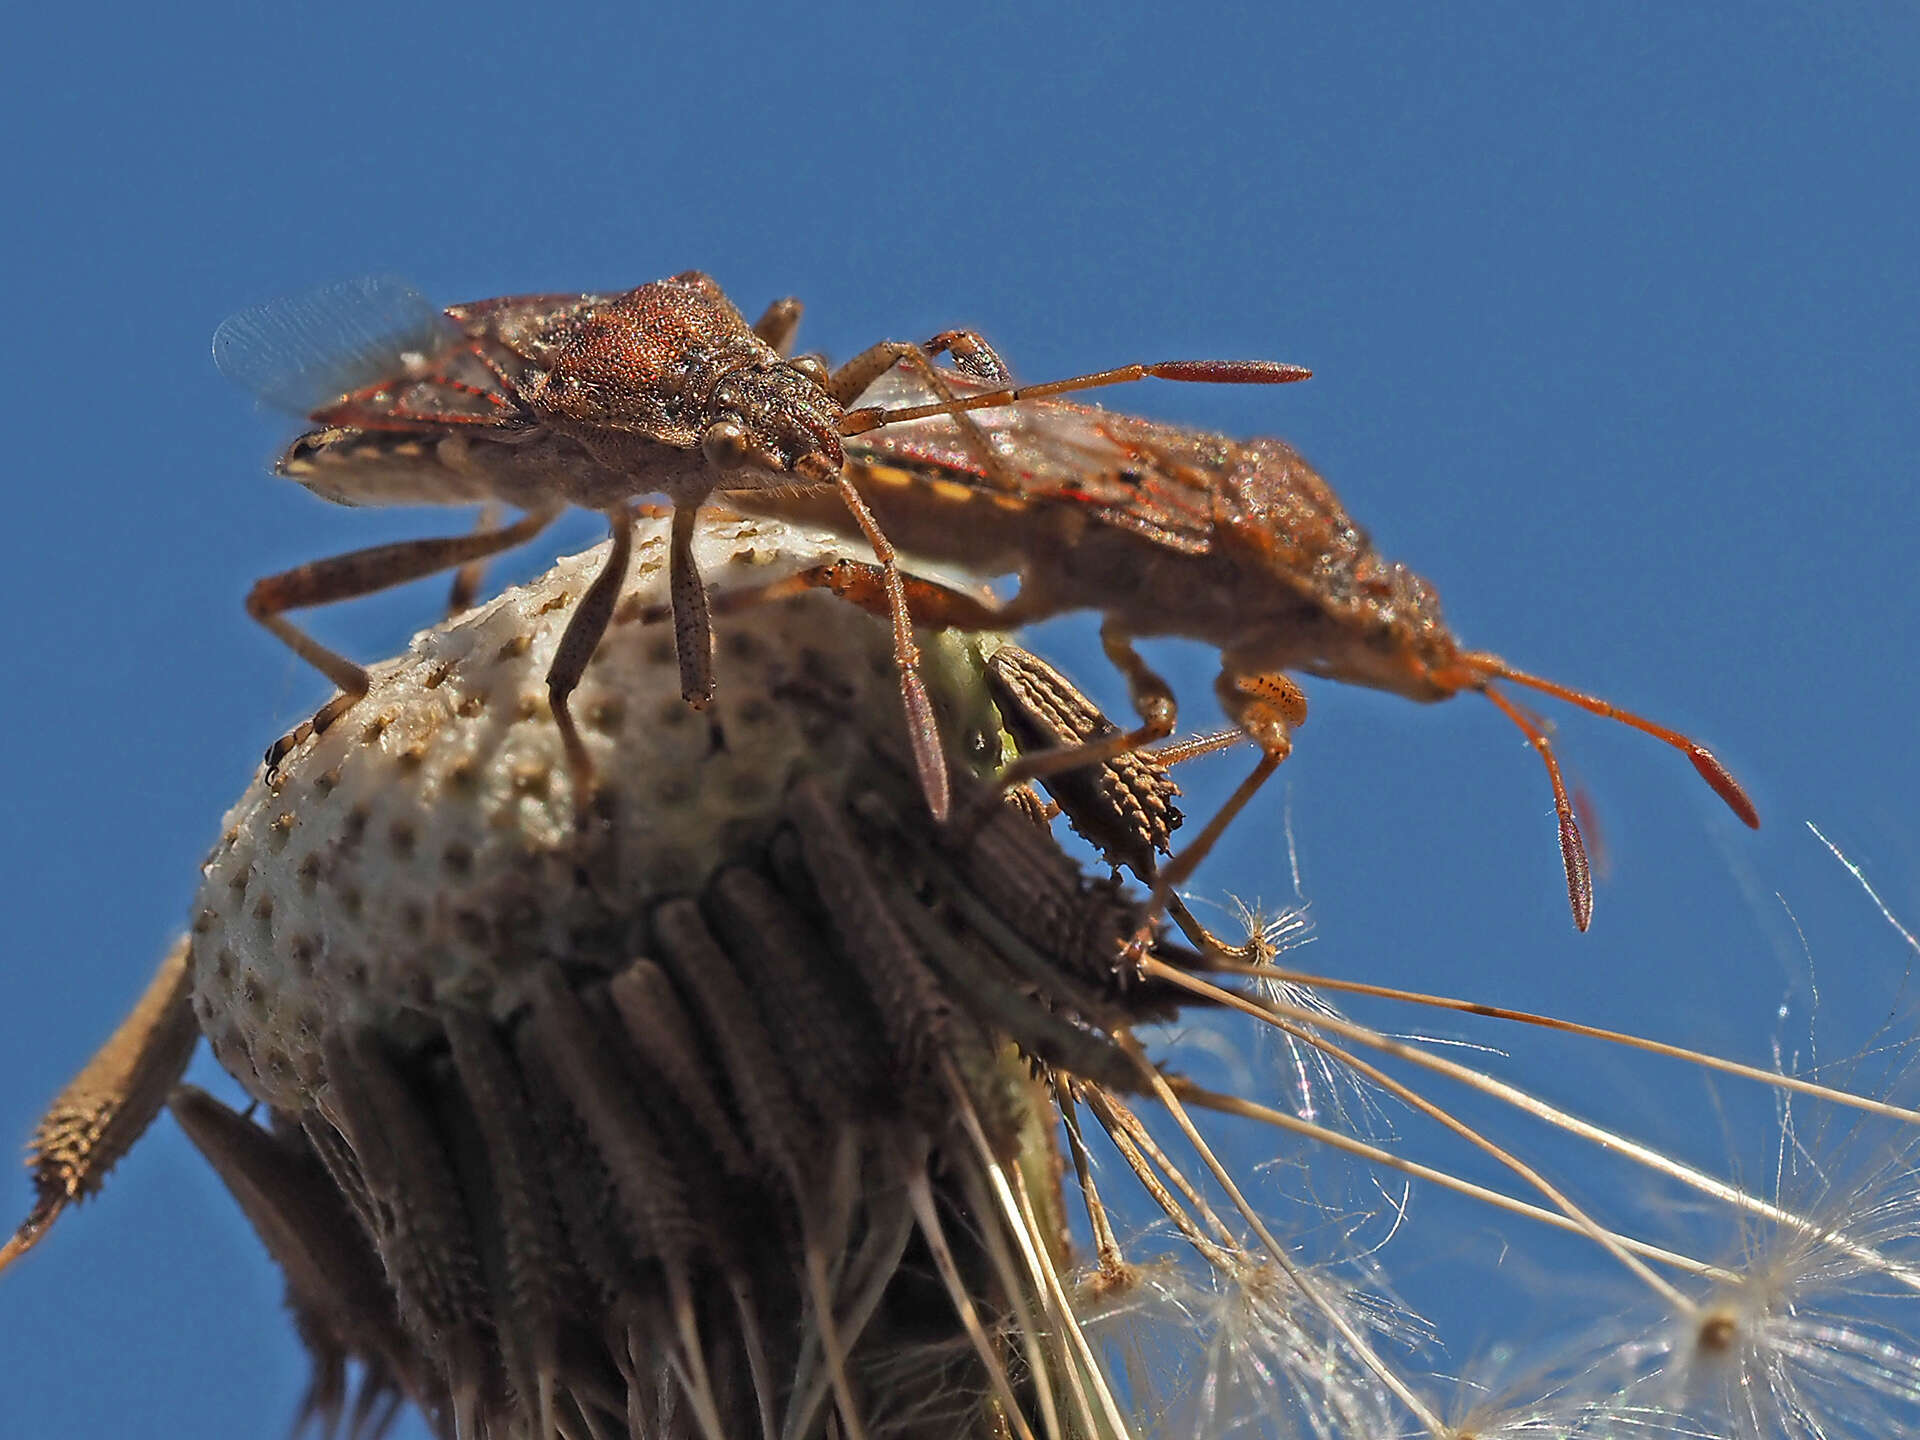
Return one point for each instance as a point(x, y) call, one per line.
point(712, 1110)
point(424, 849)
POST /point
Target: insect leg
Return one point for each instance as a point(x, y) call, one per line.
point(780, 324)
point(107, 1107)
point(692, 616)
point(469, 577)
point(1152, 701)
point(973, 356)
point(362, 572)
point(577, 644)
point(1269, 708)
point(922, 730)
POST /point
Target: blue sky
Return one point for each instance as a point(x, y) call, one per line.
point(1615, 320)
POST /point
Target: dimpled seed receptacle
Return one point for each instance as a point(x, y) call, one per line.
point(423, 851)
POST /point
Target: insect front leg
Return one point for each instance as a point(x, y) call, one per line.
point(692, 617)
point(928, 758)
point(362, 572)
point(780, 324)
point(580, 639)
point(972, 356)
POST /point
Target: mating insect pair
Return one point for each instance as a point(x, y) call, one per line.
point(546, 401)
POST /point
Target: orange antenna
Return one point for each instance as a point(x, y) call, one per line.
point(1704, 760)
point(1573, 850)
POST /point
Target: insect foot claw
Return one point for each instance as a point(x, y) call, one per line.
point(278, 751)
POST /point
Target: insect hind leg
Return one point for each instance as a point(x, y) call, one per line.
point(363, 572)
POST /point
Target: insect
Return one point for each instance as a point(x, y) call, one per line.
point(1173, 531)
point(546, 401)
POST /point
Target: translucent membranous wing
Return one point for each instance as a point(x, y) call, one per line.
point(304, 353)
point(1134, 474)
point(526, 332)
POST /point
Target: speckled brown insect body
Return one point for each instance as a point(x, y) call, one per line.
point(539, 402)
point(580, 399)
point(1164, 531)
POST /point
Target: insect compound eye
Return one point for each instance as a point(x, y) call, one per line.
point(813, 368)
point(725, 444)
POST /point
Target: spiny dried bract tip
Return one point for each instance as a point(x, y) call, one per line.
point(104, 1109)
point(1724, 785)
point(47, 1206)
